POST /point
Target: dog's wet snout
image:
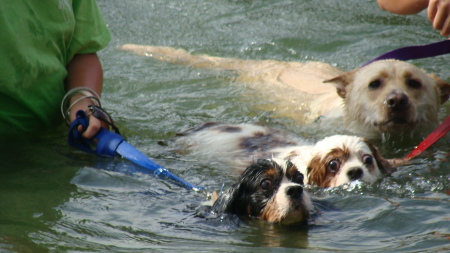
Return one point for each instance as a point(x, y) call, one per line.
point(355, 173)
point(294, 192)
point(397, 100)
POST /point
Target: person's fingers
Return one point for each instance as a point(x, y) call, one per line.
point(439, 14)
point(431, 11)
point(94, 126)
point(445, 31)
point(439, 19)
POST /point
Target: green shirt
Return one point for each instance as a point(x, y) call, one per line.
point(38, 38)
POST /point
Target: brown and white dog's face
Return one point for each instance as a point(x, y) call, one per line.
point(340, 159)
point(269, 189)
point(391, 96)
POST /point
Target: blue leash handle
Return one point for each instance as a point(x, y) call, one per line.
point(109, 144)
point(107, 141)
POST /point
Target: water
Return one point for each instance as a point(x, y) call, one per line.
point(56, 199)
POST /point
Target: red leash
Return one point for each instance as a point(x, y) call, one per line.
point(438, 133)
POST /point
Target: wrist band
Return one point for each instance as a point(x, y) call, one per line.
point(87, 94)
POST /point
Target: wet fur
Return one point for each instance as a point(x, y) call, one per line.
point(349, 100)
point(240, 145)
point(270, 190)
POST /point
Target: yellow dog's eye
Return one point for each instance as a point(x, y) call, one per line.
point(375, 84)
point(414, 84)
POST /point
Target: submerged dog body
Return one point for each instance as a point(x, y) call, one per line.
point(333, 161)
point(271, 190)
point(386, 96)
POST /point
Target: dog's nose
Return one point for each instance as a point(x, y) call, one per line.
point(397, 100)
point(355, 173)
point(294, 192)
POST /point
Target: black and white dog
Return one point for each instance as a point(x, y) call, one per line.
point(270, 189)
point(331, 162)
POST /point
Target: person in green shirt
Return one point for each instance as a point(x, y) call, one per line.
point(48, 48)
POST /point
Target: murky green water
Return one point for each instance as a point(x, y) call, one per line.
point(56, 199)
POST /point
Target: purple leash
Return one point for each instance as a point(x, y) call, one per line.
point(416, 52)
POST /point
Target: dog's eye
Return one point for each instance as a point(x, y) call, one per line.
point(334, 165)
point(375, 84)
point(414, 84)
point(367, 159)
point(266, 184)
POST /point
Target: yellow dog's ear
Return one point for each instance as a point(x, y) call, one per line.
point(443, 88)
point(341, 82)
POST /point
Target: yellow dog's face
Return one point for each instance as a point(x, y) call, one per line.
point(390, 96)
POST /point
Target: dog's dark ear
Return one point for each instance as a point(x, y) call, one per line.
point(226, 201)
point(387, 166)
point(341, 82)
point(235, 200)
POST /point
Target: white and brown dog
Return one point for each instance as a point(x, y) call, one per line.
point(387, 96)
point(270, 190)
point(331, 162)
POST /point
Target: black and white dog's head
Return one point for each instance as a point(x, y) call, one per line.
point(270, 189)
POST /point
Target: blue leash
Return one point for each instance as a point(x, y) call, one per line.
point(109, 144)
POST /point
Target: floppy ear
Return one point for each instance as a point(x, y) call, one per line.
point(233, 199)
point(341, 82)
point(236, 199)
point(444, 89)
point(226, 201)
point(317, 173)
point(387, 166)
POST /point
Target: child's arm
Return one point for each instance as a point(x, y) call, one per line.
point(438, 11)
point(85, 70)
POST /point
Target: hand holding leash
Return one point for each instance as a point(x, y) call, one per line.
point(109, 144)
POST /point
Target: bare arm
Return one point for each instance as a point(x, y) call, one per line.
point(85, 70)
point(403, 7)
point(438, 11)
